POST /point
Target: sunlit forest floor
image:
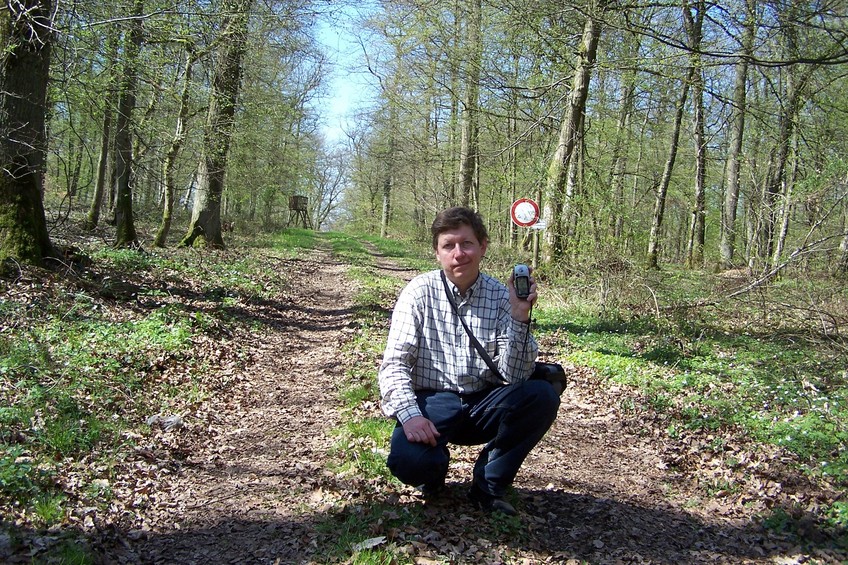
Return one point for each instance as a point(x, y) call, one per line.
point(187, 406)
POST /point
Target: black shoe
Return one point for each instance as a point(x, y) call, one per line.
point(488, 503)
point(430, 491)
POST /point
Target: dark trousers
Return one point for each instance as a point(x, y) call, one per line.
point(510, 420)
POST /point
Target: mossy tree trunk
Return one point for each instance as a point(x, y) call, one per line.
point(205, 226)
point(569, 133)
point(125, 226)
point(25, 29)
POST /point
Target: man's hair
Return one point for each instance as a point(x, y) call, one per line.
point(452, 218)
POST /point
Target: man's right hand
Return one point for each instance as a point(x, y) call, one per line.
point(419, 429)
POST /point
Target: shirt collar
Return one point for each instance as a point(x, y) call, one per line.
point(472, 290)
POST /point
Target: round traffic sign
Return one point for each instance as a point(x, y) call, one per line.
point(524, 212)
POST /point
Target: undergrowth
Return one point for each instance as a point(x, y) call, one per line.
point(783, 390)
point(86, 358)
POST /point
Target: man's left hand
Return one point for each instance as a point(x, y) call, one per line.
point(521, 306)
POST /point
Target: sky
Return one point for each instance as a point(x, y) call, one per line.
point(348, 87)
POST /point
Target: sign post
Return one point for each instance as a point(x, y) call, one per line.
point(524, 213)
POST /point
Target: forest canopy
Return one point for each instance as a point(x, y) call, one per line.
point(700, 134)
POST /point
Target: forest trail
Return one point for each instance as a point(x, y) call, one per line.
point(256, 470)
point(255, 483)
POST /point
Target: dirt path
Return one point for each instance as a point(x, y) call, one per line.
point(255, 479)
point(254, 476)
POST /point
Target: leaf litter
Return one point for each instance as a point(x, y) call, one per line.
point(246, 474)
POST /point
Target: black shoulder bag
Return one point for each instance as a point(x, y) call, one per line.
point(551, 372)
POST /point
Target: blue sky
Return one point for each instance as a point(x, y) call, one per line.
point(348, 87)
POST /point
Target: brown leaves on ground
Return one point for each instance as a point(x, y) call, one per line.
point(247, 475)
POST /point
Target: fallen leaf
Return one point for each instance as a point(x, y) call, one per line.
point(369, 543)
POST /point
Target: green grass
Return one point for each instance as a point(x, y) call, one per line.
point(294, 240)
point(71, 553)
point(20, 478)
point(361, 448)
point(49, 509)
point(289, 242)
point(347, 529)
point(349, 249)
point(125, 260)
point(77, 374)
point(375, 290)
point(405, 254)
point(63, 376)
point(781, 389)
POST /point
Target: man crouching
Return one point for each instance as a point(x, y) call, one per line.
point(441, 390)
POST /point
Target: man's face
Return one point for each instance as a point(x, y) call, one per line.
point(459, 253)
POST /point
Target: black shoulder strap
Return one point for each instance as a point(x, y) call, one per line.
point(489, 362)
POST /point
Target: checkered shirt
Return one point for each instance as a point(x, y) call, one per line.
point(428, 349)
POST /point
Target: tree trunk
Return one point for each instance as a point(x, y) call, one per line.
point(169, 164)
point(738, 110)
point(842, 265)
point(796, 81)
point(662, 189)
point(125, 225)
point(622, 141)
point(388, 159)
point(776, 179)
point(569, 202)
point(469, 165)
point(785, 207)
point(25, 29)
point(777, 171)
point(103, 161)
point(388, 172)
point(93, 217)
point(512, 133)
point(637, 174)
point(205, 226)
point(450, 176)
point(574, 114)
point(75, 155)
point(697, 228)
point(387, 202)
point(751, 230)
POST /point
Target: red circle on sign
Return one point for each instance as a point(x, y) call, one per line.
point(524, 212)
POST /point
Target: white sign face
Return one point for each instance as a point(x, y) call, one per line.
point(524, 212)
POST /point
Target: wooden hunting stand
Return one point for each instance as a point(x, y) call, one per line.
point(298, 208)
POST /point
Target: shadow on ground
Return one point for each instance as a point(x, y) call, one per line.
point(554, 526)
